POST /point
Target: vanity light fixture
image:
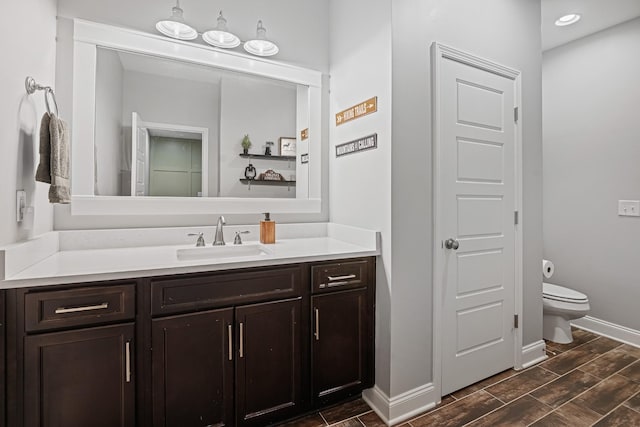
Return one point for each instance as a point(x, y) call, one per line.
point(260, 45)
point(175, 26)
point(569, 19)
point(220, 36)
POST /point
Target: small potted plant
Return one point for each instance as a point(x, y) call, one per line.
point(246, 144)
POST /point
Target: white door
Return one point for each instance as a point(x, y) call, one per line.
point(475, 146)
point(139, 154)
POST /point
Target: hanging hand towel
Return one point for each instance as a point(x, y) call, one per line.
point(54, 158)
point(59, 134)
point(43, 173)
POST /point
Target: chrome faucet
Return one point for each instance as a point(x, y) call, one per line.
point(200, 241)
point(238, 240)
point(219, 237)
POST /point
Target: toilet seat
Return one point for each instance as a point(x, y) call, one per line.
point(562, 294)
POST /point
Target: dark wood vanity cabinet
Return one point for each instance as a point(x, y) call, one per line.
point(268, 380)
point(3, 371)
point(342, 336)
point(193, 365)
point(80, 378)
point(247, 347)
point(340, 345)
point(235, 366)
point(71, 353)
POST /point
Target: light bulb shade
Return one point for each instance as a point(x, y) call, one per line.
point(220, 36)
point(260, 45)
point(175, 27)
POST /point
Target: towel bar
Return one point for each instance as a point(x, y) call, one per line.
point(31, 86)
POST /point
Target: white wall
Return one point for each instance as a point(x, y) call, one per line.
point(360, 189)
point(591, 100)
point(389, 189)
point(265, 111)
point(175, 101)
point(507, 32)
point(108, 134)
point(28, 48)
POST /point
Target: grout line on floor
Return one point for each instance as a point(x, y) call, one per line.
point(431, 411)
point(323, 419)
point(355, 417)
point(614, 409)
point(549, 406)
point(496, 397)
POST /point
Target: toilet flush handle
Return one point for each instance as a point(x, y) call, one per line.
point(451, 244)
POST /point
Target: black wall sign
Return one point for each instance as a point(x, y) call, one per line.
point(367, 143)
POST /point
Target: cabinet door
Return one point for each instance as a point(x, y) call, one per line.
point(268, 377)
point(340, 340)
point(80, 378)
point(192, 362)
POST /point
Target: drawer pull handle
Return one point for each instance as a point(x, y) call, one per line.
point(128, 361)
point(346, 277)
point(317, 332)
point(230, 331)
point(241, 339)
point(63, 310)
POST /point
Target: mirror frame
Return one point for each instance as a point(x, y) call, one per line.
point(88, 36)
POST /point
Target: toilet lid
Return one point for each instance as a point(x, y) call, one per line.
point(560, 293)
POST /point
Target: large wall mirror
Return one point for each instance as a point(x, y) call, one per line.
point(161, 126)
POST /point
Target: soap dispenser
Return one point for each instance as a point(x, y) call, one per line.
point(267, 230)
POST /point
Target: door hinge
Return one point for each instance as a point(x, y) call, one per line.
point(515, 114)
point(515, 217)
point(516, 322)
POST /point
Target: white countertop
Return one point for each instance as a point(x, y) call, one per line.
point(59, 260)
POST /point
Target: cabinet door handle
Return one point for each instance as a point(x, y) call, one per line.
point(63, 310)
point(127, 361)
point(346, 277)
point(230, 331)
point(317, 332)
point(241, 339)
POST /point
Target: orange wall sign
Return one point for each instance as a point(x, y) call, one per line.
point(367, 107)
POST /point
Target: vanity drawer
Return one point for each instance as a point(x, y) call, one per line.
point(197, 292)
point(340, 275)
point(79, 307)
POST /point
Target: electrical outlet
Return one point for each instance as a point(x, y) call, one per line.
point(21, 203)
point(629, 207)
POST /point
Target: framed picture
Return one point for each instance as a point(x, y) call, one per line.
point(287, 146)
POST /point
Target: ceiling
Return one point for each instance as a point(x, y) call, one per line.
point(596, 16)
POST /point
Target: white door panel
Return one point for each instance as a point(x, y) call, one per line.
point(476, 199)
point(480, 106)
point(480, 161)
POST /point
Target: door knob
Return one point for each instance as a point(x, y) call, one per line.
point(451, 244)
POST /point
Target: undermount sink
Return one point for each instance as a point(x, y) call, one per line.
point(218, 252)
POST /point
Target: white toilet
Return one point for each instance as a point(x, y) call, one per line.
point(559, 306)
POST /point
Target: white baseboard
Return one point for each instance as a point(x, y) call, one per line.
point(533, 353)
point(402, 407)
point(609, 330)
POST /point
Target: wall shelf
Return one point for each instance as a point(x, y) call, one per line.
point(266, 182)
point(262, 156)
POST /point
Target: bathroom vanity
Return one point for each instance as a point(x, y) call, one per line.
point(248, 341)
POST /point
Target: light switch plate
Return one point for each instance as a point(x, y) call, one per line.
point(629, 207)
point(21, 202)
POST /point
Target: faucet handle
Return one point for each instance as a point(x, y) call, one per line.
point(200, 241)
point(238, 240)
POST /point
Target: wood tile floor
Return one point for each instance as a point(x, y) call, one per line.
point(594, 381)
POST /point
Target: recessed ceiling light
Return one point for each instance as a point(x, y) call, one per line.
point(569, 19)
